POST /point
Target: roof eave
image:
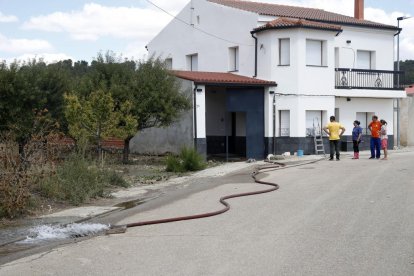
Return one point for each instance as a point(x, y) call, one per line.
point(297, 27)
point(235, 84)
point(391, 28)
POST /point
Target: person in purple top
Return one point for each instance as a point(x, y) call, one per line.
point(356, 138)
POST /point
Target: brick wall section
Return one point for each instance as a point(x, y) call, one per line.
point(110, 143)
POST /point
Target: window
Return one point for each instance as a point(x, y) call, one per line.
point(365, 59)
point(284, 51)
point(234, 59)
point(364, 118)
point(284, 123)
point(192, 62)
point(336, 57)
point(314, 119)
point(315, 52)
point(168, 63)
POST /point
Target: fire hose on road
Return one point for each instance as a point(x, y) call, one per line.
point(117, 229)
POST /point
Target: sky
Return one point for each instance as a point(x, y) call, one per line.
point(79, 29)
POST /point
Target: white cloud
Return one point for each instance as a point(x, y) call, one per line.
point(95, 21)
point(19, 46)
point(7, 18)
point(135, 50)
point(46, 57)
point(407, 39)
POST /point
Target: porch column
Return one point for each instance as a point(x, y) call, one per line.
point(269, 119)
point(199, 122)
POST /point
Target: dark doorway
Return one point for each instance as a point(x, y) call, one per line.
point(235, 122)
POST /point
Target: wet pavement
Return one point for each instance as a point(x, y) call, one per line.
point(130, 201)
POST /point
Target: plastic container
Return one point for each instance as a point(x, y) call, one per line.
point(300, 153)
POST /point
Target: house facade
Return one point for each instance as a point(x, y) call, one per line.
point(310, 64)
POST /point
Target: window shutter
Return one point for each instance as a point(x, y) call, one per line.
point(364, 59)
point(314, 52)
point(284, 52)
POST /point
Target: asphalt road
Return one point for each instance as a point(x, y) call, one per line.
point(352, 217)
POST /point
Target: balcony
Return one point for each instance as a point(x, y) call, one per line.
point(347, 78)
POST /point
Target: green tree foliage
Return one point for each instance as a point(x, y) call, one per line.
point(157, 95)
point(408, 67)
point(142, 90)
point(153, 93)
point(26, 88)
point(96, 118)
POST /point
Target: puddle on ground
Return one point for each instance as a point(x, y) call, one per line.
point(130, 204)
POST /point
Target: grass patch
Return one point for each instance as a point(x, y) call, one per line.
point(78, 180)
point(188, 160)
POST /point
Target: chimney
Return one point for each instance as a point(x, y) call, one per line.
point(359, 9)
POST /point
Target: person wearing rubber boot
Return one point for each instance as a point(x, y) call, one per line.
point(356, 138)
point(375, 143)
point(384, 138)
point(334, 130)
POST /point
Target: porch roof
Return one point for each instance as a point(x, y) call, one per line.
point(220, 78)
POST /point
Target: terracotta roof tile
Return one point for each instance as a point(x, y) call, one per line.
point(282, 22)
point(220, 78)
point(299, 12)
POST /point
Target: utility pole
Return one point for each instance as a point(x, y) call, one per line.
point(398, 76)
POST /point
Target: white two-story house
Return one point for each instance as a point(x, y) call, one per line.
point(262, 76)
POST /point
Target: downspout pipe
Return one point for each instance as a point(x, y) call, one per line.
point(255, 54)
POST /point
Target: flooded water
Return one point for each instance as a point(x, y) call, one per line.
point(43, 233)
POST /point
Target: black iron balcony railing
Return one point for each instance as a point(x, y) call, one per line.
point(346, 78)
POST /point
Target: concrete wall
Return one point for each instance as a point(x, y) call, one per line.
point(158, 141)
point(407, 122)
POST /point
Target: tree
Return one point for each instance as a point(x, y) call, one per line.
point(408, 67)
point(153, 93)
point(25, 89)
point(96, 118)
point(155, 96)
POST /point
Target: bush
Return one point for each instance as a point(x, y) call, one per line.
point(192, 161)
point(114, 179)
point(188, 160)
point(78, 180)
point(173, 164)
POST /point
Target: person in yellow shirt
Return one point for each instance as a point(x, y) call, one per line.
point(334, 130)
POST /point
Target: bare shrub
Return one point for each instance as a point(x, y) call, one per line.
point(20, 173)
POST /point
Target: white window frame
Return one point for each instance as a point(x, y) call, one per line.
point(233, 59)
point(169, 63)
point(316, 53)
point(192, 62)
point(284, 51)
point(365, 59)
point(284, 123)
